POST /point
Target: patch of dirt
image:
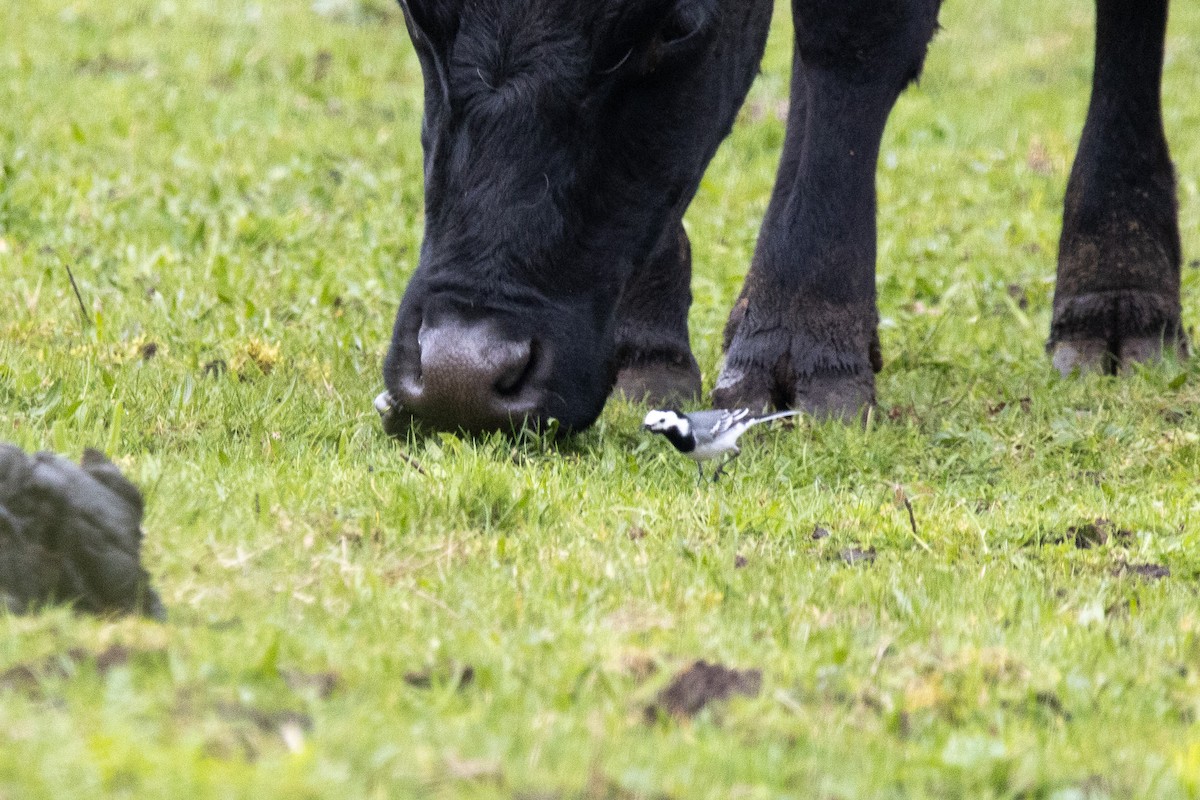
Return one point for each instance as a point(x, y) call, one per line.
point(700, 684)
point(1175, 416)
point(1096, 533)
point(739, 561)
point(322, 684)
point(1151, 572)
point(1017, 292)
point(112, 657)
point(819, 533)
point(108, 64)
point(148, 351)
point(902, 414)
point(1052, 703)
point(460, 675)
point(321, 64)
point(856, 555)
point(636, 533)
point(29, 676)
point(266, 721)
point(1094, 477)
point(1086, 535)
point(995, 408)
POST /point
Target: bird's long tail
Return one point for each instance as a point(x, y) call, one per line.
point(777, 415)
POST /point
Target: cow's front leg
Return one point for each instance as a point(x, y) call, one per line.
point(1117, 296)
point(803, 333)
point(654, 358)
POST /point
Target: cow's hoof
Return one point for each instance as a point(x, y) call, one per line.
point(1084, 356)
point(838, 396)
point(1108, 333)
point(1150, 350)
point(660, 384)
point(819, 358)
point(844, 397)
point(1099, 357)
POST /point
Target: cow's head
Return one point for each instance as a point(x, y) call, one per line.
point(561, 138)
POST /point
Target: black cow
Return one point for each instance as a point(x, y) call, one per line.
point(564, 139)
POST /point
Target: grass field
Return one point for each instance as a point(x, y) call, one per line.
point(236, 188)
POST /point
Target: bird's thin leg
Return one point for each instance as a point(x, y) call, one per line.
point(728, 460)
point(700, 470)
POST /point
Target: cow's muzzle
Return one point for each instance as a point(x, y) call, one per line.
point(470, 375)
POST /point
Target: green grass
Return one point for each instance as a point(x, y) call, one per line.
point(238, 184)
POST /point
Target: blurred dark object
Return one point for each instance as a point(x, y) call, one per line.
point(71, 534)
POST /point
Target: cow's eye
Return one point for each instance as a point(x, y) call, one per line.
point(658, 33)
point(687, 25)
point(682, 31)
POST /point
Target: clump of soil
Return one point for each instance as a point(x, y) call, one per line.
point(1096, 533)
point(856, 555)
point(1086, 535)
point(700, 684)
point(27, 677)
point(267, 721)
point(1152, 572)
point(322, 684)
point(460, 675)
point(71, 534)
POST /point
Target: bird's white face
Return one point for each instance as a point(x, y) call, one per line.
point(663, 421)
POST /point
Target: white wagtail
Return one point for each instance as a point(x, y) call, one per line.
point(704, 435)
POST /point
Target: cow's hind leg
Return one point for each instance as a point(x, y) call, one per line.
point(1117, 296)
point(803, 333)
point(654, 359)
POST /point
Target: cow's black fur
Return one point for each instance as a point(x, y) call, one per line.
point(565, 138)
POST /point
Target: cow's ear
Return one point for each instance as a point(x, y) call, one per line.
point(428, 21)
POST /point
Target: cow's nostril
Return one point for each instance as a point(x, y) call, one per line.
point(516, 373)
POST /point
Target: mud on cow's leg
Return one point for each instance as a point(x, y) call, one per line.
point(1117, 297)
point(803, 333)
point(654, 359)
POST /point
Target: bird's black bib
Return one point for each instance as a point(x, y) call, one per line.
point(684, 442)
